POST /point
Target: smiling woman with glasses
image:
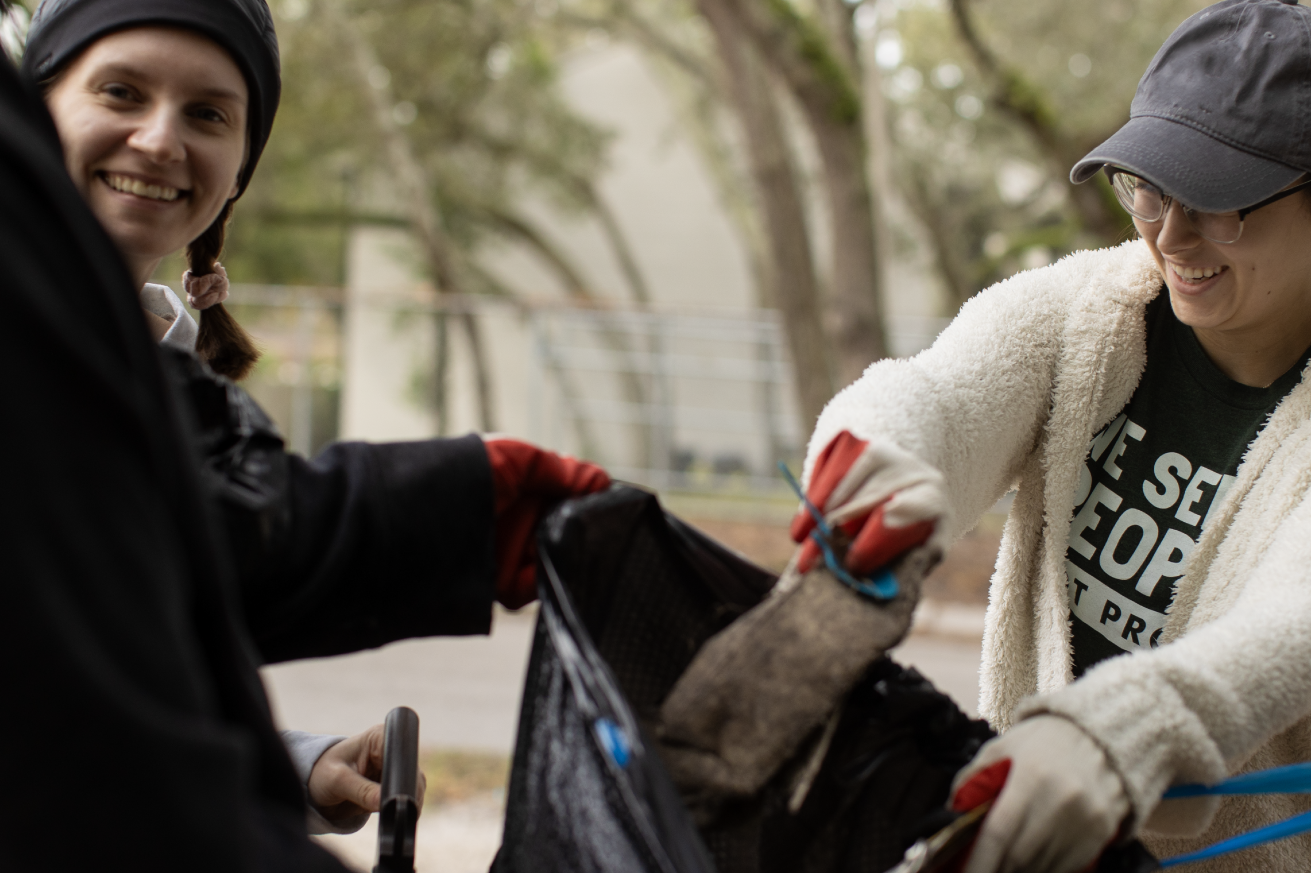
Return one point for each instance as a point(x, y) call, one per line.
point(1149, 620)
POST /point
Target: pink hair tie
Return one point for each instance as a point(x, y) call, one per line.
point(208, 290)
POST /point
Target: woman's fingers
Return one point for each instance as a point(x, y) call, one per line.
point(351, 787)
point(342, 774)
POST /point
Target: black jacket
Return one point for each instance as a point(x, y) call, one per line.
point(364, 544)
point(136, 731)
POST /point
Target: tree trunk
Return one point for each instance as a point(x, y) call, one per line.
point(803, 56)
point(481, 375)
point(879, 154)
point(779, 190)
point(441, 355)
point(656, 442)
point(857, 280)
point(425, 223)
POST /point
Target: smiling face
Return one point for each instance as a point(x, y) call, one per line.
point(153, 124)
point(1248, 300)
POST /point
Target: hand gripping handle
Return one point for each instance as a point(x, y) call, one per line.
point(399, 812)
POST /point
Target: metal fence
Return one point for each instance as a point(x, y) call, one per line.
point(694, 401)
point(672, 400)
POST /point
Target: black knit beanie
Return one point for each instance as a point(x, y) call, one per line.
point(62, 29)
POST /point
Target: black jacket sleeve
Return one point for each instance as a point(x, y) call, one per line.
point(137, 731)
point(360, 546)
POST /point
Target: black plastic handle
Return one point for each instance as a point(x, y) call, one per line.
point(399, 813)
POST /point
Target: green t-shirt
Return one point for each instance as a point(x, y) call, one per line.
point(1152, 478)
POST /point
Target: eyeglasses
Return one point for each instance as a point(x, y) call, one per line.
point(1146, 202)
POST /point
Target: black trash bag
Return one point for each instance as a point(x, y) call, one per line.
point(626, 599)
point(629, 594)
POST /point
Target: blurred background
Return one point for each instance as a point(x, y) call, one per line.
point(658, 234)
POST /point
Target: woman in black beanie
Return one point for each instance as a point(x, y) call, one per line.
point(134, 86)
point(163, 108)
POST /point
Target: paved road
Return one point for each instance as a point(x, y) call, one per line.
point(466, 690)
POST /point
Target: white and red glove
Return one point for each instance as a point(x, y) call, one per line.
point(207, 290)
point(1057, 804)
point(885, 498)
point(526, 481)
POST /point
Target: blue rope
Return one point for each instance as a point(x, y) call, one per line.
point(1292, 779)
point(882, 586)
point(1291, 827)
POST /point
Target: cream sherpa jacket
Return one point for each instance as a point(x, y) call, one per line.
point(1010, 396)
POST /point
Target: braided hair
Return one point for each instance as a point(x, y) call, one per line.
point(221, 342)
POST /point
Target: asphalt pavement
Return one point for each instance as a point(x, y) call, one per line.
point(466, 689)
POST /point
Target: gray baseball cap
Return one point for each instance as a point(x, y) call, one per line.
point(1222, 117)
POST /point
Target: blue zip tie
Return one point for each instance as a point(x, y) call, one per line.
point(1291, 827)
point(1291, 779)
point(614, 741)
point(881, 586)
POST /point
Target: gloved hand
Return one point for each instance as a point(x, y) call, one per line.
point(526, 481)
point(1061, 804)
point(207, 290)
point(885, 498)
point(758, 688)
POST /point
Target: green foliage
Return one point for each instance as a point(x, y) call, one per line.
point(475, 90)
point(960, 159)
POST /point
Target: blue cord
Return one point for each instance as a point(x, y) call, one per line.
point(882, 586)
point(1290, 827)
point(1292, 779)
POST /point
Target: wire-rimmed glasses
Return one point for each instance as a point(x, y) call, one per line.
point(1145, 202)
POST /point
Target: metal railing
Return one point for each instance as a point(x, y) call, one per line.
point(696, 401)
point(702, 401)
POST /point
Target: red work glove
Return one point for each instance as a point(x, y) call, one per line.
point(885, 498)
point(526, 481)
